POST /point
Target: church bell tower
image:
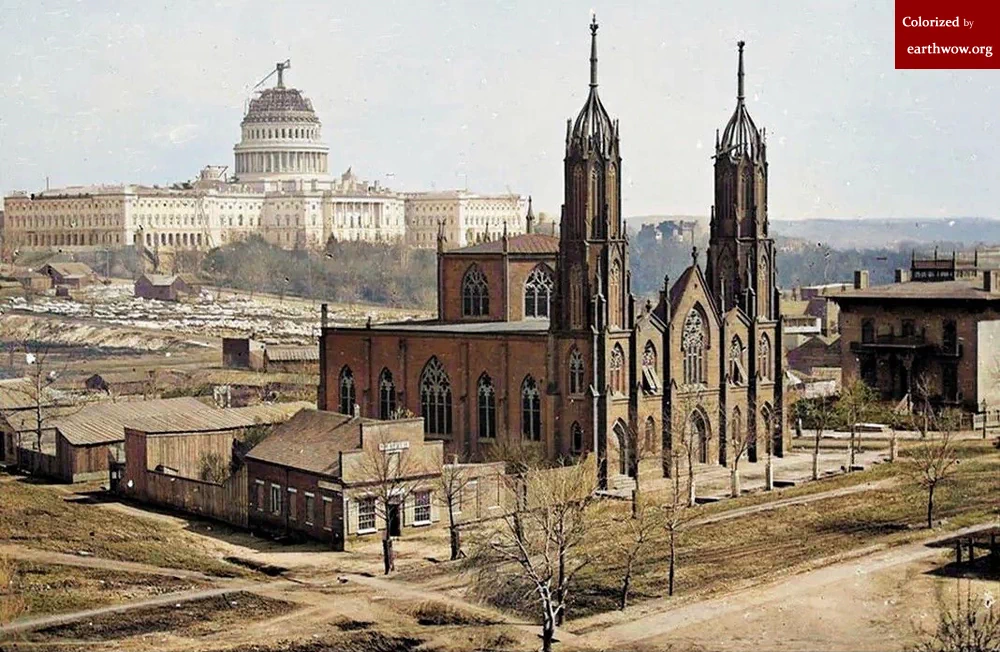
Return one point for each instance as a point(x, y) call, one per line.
point(593, 249)
point(741, 254)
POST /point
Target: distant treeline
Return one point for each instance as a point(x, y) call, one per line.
point(802, 265)
point(385, 274)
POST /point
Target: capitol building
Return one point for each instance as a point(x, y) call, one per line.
point(279, 187)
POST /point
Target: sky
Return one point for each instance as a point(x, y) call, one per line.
point(424, 95)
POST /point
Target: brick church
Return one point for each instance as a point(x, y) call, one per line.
point(539, 339)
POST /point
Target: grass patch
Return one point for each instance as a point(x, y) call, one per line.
point(433, 613)
point(54, 588)
point(360, 641)
point(721, 556)
point(40, 516)
point(194, 618)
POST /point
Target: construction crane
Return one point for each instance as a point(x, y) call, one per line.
point(279, 69)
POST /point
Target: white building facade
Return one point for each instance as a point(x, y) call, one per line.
point(280, 189)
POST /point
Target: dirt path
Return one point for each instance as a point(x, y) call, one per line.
point(64, 559)
point(169, 598)
point(797, 500)
point(658, 624)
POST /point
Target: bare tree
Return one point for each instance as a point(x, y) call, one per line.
point(819, 414)
point(544, 543)
point(641, 446)
point(451, 486)
point(739, 441)
point(34, 392)
point(631, 538)
point(856, 404)
point(682, 421)
point(931, 463)
point(392, 472)
point(674, 515)
point(972, 626)
point(213, 467)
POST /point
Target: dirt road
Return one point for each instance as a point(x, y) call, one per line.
point(700, 623)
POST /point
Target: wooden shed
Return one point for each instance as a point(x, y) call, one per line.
point(164, 287)
point(71, 275)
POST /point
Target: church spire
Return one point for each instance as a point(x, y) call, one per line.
point(739, 75)
point(529, 219)
point(593, 50)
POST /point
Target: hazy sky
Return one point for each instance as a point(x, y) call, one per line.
point(423, 95)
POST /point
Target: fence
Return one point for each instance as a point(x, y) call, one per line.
point(227, 502)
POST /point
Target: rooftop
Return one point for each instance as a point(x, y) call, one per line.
point(311, 441)
point(20, 394)
point(103, 423)
point(71, 269)
point(292, 353)
point(486, 327)
point(527, 243)
point(966, 290)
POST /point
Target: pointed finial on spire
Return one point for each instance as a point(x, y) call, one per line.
point(739, 75)
point(593, 49)
point(694, 255)
point(529, 219)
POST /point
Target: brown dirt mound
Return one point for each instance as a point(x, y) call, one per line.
point(192, 617)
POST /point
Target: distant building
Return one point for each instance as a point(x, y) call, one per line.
point(914, 339)
point(281, 189)
point(463, 218)
point(31, 281)
point(164, 287)
point(291, 359)
point(71, 275)
point(122, 383)
point(242, 353)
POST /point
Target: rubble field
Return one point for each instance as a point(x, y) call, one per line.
point(211, 314)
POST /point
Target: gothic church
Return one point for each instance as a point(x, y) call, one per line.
point(539, 339)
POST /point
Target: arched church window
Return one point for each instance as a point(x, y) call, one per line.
point(576, 297)
point(616, 369)
point(475, 293)
point(693, 343)
point(764, 357)
point(698, 434)
point(487, 398)
point(347, 393)
point(537, 292)
point(649, 443)
point(386, 395)
point(435, 398)
point(576, 383)
point(576, 438)
point(614, 293)
point(737, 373)
point(650, 379)
point(748, 208)
point(531, 410)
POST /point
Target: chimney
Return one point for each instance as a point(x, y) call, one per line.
point(861, 279)
point(324, 312)
point(902, 275)
point(991, 280)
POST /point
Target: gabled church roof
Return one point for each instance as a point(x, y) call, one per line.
point(526, 243)
point(680, 288)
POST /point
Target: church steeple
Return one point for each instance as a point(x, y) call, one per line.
point(592, 246)
point(740, 256)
